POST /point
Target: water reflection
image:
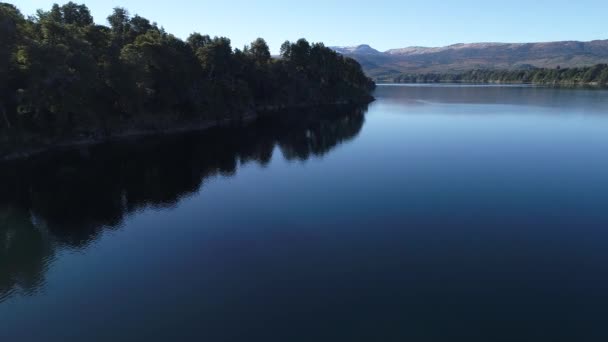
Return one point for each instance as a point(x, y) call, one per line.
point(24, 252)
point(579, 99)
point(67, 199)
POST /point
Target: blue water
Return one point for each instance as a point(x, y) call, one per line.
point(439, 213)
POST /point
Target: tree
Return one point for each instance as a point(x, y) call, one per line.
point(12, 27)
point(197, 41)
point(62, 75)
point(73, 14)
point(260, 51)
point(216, 57)
point(119, 21)
point(300, 51)
point(286, 50)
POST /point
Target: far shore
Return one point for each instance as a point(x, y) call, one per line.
point(591, 85)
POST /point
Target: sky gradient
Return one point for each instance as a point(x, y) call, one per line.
point(383, 24)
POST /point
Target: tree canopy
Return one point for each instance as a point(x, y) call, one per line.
point(63, 75)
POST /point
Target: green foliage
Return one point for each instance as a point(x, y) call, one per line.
point(71, 14)
point(315, 71)
point(12, 34)
point(259, 51)
point(61, 75)
point(594, 75)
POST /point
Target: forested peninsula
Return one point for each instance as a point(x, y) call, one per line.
point(64, 78)
point(596, 75)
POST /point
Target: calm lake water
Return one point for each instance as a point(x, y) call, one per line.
point(438, 213)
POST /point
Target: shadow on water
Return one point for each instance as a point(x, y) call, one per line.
point(67, 199)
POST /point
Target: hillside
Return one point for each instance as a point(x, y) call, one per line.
point(462, 57)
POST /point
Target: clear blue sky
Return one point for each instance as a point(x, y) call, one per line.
point(384, 24)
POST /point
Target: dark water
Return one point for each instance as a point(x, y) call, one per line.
point(441, 213)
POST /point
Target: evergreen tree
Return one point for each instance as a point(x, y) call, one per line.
point(62, 75)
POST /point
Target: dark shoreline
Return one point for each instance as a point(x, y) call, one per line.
point(188, 127)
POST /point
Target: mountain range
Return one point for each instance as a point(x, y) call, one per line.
point(462, 57)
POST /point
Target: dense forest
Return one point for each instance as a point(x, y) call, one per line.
point(594, 75)
point(62, 75)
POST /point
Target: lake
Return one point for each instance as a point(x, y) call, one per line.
point(437, 213)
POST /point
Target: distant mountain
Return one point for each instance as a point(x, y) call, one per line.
point(462, 57)
point(357, 50)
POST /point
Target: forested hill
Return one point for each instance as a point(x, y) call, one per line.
point(459, 58)
point(63, 75)
point(595, 76)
